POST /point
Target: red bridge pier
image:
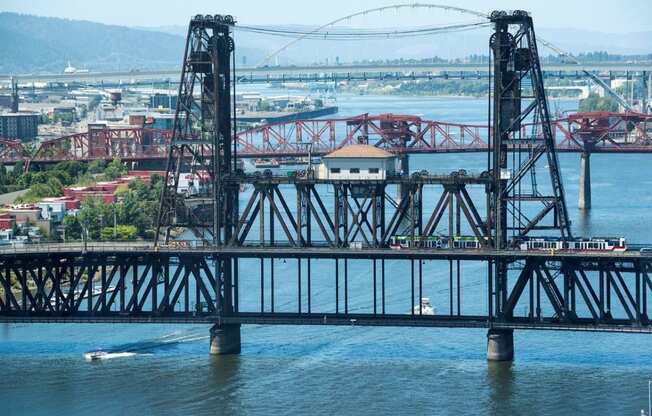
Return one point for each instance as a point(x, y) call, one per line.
point(584, 201)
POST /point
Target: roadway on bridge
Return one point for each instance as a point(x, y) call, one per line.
point(273, 72)
point(281, 251)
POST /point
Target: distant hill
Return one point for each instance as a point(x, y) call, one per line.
point(43, 44)
point(32, 44)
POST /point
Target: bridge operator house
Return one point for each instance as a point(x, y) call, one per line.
point(358, 161)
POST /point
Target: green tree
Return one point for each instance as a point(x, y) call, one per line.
point(122, 233)
point(114, 170)
point(596, 103)
point(96, 166)
point(72, 227)
point(73, 168)
point(18, 169)
point(94, 215)
point(39, 190)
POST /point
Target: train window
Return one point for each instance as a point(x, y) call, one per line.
point(354, 170)
point(335, 170)
point(373, 170)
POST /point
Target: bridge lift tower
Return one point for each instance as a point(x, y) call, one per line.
point(204, 149)
point(520, 206)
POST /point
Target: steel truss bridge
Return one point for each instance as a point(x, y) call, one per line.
point(339, 231)
point(598, 132)
point(139, 283)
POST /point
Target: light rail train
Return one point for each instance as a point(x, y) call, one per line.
point(574, 244)
point(525, 244)
point(459, 241)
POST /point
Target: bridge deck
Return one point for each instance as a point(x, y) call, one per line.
point(332, 319)
point(284, 251)
point(137, 282)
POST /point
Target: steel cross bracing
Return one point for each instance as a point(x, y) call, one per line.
point(519, 206)
point(292, 211)
point(104, 283)
point(202, 136)
point(518, 83)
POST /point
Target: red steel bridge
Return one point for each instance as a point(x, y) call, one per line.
point(596, 132)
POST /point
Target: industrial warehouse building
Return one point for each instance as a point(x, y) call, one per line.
point(357, 162)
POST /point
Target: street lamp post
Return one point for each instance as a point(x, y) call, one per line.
point(84, 235)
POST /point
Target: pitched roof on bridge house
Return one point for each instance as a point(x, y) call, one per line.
point(360, 151)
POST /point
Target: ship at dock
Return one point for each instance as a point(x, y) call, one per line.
point(255, 109)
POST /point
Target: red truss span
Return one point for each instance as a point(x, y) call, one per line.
point(593, 132)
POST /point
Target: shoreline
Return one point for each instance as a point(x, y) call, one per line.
point(454, 96)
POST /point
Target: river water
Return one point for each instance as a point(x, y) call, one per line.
point(353, 370)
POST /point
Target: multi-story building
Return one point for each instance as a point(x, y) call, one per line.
point(162, 101)
point(20, 126)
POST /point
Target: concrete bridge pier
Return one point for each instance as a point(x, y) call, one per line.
point(225, 339)
point(585, 181)
point(500, 345)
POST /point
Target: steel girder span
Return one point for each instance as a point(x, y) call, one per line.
point(306, 286)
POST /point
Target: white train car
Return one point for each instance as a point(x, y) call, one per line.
point(574, 244)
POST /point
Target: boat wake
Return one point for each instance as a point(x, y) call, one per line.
point(143, 347)
point(103, 355)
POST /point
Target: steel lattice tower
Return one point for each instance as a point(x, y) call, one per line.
point(523, 145)
point(202, 144)
point(522, 136)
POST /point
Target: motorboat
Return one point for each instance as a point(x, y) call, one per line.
point(424, 308)
point(95, 355)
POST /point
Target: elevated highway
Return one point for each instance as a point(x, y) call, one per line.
point(330, 73)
